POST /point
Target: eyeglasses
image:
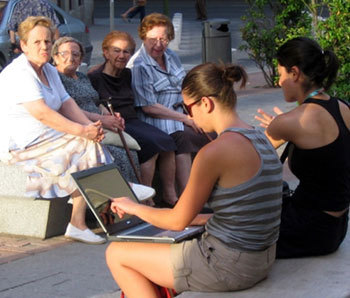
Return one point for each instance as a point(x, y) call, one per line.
point(188, 108)
point(118, 51)
point(65, 54)
point(164, 41)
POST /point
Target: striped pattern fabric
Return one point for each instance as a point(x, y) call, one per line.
point(152, 85)
point(247, 216)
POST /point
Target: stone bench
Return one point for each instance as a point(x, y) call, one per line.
point(313, 277)
point(27, 216)
point(20, 215)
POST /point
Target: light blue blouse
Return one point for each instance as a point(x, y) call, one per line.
point(151, 84)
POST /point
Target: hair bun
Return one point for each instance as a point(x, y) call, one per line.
point(235, 73)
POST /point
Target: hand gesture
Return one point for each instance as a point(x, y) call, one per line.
point(121, 120)
point(93, 131)
point(122, 206)
point(189, 122)
point(113, 123)
point(267, 118)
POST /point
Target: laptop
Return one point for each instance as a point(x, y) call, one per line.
point(97, 185)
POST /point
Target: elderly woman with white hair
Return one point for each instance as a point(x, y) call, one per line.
point(68, 53)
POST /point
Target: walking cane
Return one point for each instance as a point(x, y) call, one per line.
point(111, 110)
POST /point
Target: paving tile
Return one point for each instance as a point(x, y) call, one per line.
point(14, 247)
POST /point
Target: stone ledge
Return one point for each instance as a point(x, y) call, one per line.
point(21, 215)
point(34, 218)
point(313, 277)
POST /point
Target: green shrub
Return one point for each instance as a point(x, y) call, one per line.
point(267, 24)
point(334, 33)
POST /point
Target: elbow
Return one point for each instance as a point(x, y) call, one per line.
point(179, 226)
point(149, 110)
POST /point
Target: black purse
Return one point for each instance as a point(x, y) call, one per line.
point(286, 191)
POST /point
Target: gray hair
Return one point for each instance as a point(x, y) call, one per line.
point(63, 40)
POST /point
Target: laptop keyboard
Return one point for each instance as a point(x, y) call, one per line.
point(154, 231)
point(148, 231)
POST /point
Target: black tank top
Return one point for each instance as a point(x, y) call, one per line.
point(324, 172)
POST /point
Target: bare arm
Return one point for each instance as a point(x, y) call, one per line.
point(190, 203)
point(201, 219)
point(159, 111)
point(265, 120)
point(42, 112)
point(12, 36)
point(108, 121)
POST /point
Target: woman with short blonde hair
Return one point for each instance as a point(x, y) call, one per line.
point(46, 132)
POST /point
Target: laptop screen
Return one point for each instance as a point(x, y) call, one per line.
point(97, 186)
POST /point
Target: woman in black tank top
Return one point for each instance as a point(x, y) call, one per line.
point(315, 218)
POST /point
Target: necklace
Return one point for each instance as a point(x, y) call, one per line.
point(313, 93)
point(316, 92)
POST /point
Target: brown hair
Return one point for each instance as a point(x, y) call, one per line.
point(63, 40)
point(153, 20)
point(29, 23)
point(118, 35)
point(214, 80)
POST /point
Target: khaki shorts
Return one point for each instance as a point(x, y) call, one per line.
point(208, 265)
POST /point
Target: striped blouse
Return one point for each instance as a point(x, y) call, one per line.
point(151, 84)
point(247, 216)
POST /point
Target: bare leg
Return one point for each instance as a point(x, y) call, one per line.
point(147, 170)
point(135, 268)
point(78, 211)
point(125, 14)
point(167, 171)
point(183, 168)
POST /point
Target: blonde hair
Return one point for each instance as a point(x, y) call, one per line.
point(153, 20)
point(29, 23)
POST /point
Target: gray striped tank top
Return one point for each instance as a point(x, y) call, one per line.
point(247, 216)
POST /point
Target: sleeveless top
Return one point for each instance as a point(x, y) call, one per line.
point(324, 172)
point(247, 216)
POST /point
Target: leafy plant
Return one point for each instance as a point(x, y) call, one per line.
point(334, 33)
point(267, 25)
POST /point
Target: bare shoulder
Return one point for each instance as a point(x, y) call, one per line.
point(230, 147)
point(285, 125)
point(345, 112)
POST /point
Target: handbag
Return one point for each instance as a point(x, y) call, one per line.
point(286, 191)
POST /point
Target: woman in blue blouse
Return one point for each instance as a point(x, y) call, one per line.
point(157, 75)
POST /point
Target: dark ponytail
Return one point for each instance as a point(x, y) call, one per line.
point(210, 79)
point(320, 67)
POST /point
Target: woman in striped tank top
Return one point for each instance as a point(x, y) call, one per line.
point(238, 175)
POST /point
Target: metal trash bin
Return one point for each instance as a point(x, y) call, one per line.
point(216, 41)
